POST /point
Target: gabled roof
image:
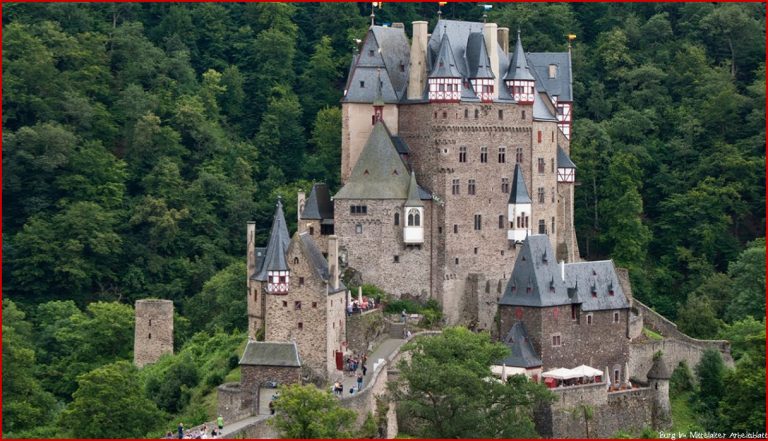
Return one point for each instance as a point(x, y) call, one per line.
point(395, 50)
point(599, 277)
point(535, 280)
point(540, 110)
point(458, 35)
point(519, 193)
point(317, 262)
point(560, 86)
point(522, 353)
point(414, 198)
point(378, 65)
point(477, 57)
point(318, 205)
point(270, 353)
point(279, 239)
point(563, 160)
point(379, 172)
point(445, 63)
point(518, 65)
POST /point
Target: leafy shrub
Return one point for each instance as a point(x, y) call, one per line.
point(682, 379)
point(373, 291)
point(397, 306)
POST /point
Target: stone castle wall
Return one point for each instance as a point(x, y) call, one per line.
point(372, 252)
point(365, 330)
point(628, 411)
point(153, 331)
point(236, 403)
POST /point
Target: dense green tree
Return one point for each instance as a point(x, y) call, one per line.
point(447, 390)
point(280, 136)
point(170, 382)
point(697, 318)
point(221, 303)
point(307, 412)
point(319, 85)
point(109, 403)
point(710, 373)
point(748, 274)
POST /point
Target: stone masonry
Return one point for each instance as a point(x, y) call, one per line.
point(153, 331)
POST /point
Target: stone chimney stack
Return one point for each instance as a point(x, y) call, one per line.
point(491, 43)
point(503, 36)
point(333, 261)
point(417, 75)
point(301, 201)
point(250, 249)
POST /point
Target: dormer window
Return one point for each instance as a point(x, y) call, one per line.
point(362, 84)
point(370, 54)
point(552, 71)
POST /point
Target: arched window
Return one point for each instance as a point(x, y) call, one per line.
point(295, 260)
point(414, 218)
point(397, 218)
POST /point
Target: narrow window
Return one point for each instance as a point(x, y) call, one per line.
point(501, 114)
point(462, 154)
point(466, 113)
point(553, 136)
point(358, 229)
point(301, 281)
point(589, 319)
point(556, 340)
point(502, 155)
point(455, 228)
point(396, 259)
point(501, 221)
point(301, 326)
point(397, 218)
point(455, 186)
point(552, 165)
point(471, 187)
point(456, 260)
point(150, 336)
point(402, 67)
point(539, 136)
point(519, 155)
point(295, 260)
point(541, 195)
point(362, 84)
point(285, 304)
point(553, 195)
point(475, 250)
point(542, 227)
point(523, 116)
point(573, 312)
point(484, 154)
point(414, 218)
point(297, 306)
point(314, 304)
point(445, 114)
point(477, 113)
point(478, 222)
point(615, 317)
point(553, 225)
point(439, 230)
point(505, 185)
point(541, 165)
point(150, 322)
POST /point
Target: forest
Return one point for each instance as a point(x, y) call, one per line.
point(139, 138)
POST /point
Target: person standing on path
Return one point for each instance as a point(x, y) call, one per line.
point(181, 430)
point(359, 381)
point(220, 422)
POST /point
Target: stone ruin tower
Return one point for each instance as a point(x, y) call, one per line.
point(153, 331)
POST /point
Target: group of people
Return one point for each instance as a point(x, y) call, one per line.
point(355, 366)
point(354, 362)
point(356, 306)
point(200, 433)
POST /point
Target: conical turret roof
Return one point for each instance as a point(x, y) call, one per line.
point(518, 66)
point(413, 193)
point(477, 57)
point(279, 239)
point(519, 193)
point(445, 63)
point(659, 370)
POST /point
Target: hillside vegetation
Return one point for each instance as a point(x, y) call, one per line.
point(138, 139)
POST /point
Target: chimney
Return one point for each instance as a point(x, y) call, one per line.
point(562, 270)
point(250, 240)
point(417, 75)
point(333, 261)
point(491, 44)
point(503, 36)
point(302, 200)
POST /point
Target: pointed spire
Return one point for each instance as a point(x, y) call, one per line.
point(413, 193)
point(519, 193)
point(518, 66)
point(279, 239)
point(445, 63)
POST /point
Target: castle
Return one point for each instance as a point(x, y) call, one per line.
point(442, 140)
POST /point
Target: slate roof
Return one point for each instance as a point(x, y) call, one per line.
point(563, 160)
point(540, 110)
point(477, 57)
point(522, 354)
point(535, 280)
point(519, 193)
point(659, 370)
point(318, 205)
point(400, 145)
point(458, 35)
point(445, 63)
point(317, 261)
point(390, 49)
point(379, 172)
point(518, 66)
point(414, 198)
point(268, 353)
point(274, 257)
point(600, 277)
point(559, 86)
